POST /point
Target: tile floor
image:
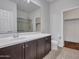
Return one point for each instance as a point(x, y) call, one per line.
point(53, 54)
point(65, 53)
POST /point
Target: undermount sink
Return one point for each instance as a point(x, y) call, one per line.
point(19, 38)
point(12, 39)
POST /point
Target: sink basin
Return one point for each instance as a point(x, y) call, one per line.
point(12, 39)
point(19, 38)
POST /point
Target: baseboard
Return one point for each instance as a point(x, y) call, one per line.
point(72, 45)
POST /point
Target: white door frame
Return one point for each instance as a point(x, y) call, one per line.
point(62, 18)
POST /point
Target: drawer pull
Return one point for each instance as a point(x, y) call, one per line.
point(47, 38)
point(23, 46)
point(5, 56)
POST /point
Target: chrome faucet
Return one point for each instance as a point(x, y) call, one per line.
point(15, 35)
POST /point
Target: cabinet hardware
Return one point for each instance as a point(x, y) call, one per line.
point(47, 38)
point(27, 46)
point(23, 46)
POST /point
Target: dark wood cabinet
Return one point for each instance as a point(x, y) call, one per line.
point(43, 47)
point(12, 52)
point(40, 48)
point(47, 44)
point(5, 53)
point(35, 49)
point(30, 50)
point(17, 51)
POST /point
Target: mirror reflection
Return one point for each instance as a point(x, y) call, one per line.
point(27, 14)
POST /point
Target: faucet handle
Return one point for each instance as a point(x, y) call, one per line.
point(15, 35)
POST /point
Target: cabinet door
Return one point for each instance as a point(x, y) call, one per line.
point(12, 52)
point(17, 51)
point(5, 53)
point(40, 48)
point(47, 44)
point(30, 50)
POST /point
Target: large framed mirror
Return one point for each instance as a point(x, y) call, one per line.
point(21, 16)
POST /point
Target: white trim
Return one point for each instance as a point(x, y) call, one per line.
point(70, 8)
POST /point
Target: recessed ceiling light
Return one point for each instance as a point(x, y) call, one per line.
point(24, 0)
point(28, 1)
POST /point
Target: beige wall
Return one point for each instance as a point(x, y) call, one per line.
point(71, 30)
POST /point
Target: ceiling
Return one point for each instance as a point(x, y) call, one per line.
point(28, 7)
point(49, 0)
point(24, 6)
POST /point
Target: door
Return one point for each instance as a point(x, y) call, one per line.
point(40, 48)
point(12, 52)
point(30, 50)
point(17, 51)
point(47, 44)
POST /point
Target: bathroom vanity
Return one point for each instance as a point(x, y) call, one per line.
point(35, 46)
